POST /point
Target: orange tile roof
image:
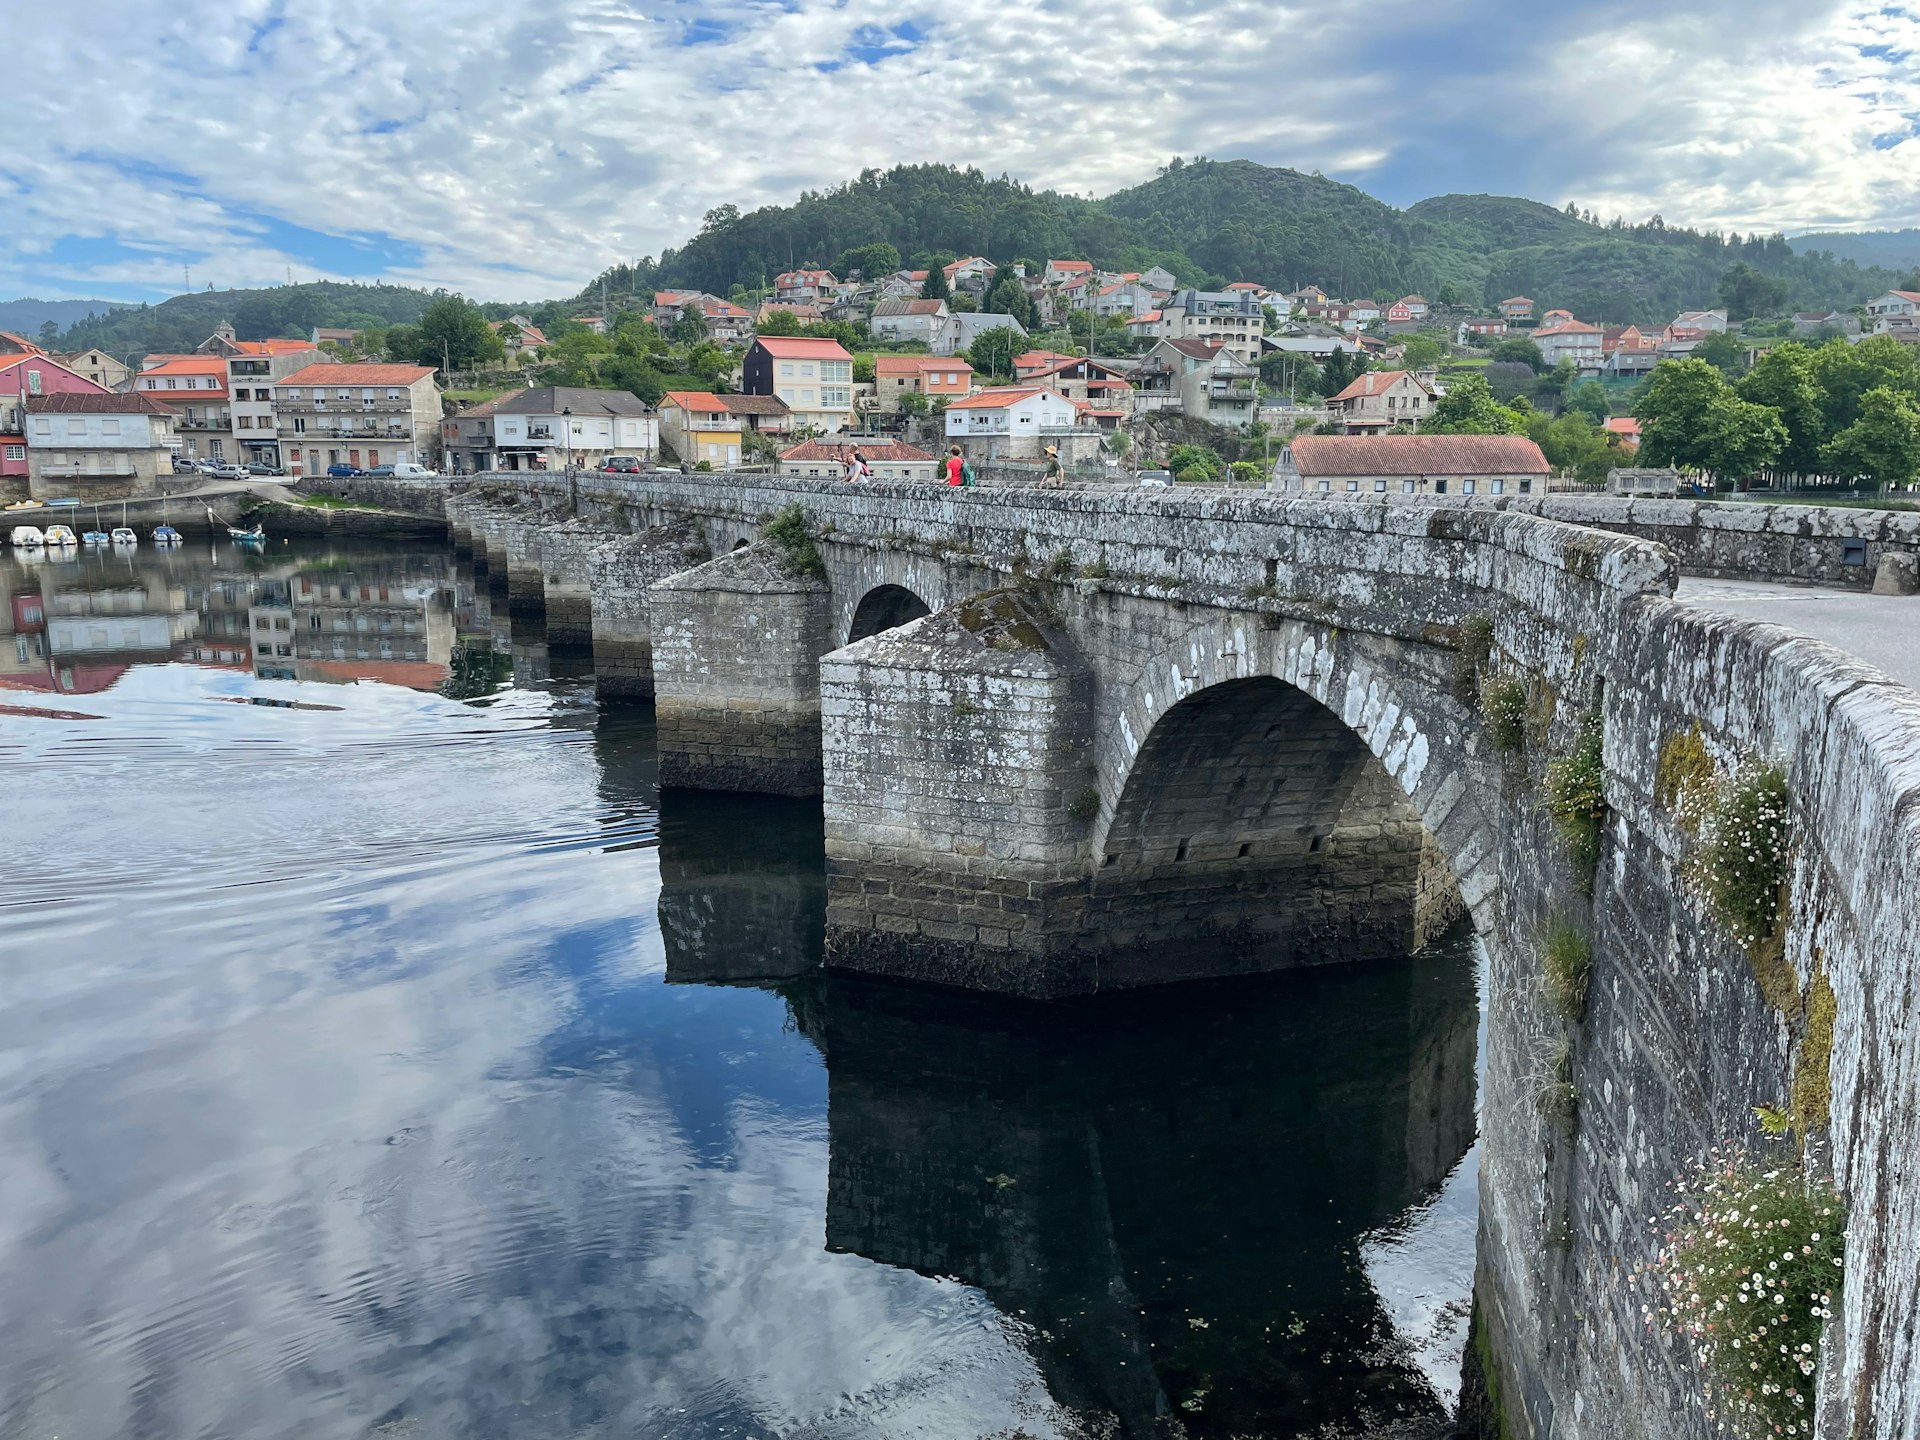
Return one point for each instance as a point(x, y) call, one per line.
point(795, 347)
point(910, 364)
point(358, 375)
point(190, 365)
point(1374, 382)
point(695, 401)
point(1315, 455)
point(999, 399)
point(1070, 265)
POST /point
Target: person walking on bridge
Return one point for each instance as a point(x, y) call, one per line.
point(956, 467)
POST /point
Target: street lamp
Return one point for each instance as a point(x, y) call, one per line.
point(566, 432)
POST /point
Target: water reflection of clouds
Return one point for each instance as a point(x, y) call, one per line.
point(343, 1129)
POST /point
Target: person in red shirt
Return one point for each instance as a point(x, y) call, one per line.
point(954, 466)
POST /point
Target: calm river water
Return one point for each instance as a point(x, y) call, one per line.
point(381, 1053)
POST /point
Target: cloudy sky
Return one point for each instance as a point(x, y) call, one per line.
point(513, 148)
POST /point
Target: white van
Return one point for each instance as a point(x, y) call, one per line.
point(414, 472)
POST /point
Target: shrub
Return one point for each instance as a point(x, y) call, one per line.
point(1741, 865)
point(1554, 1093)
point(1247, 472)
point(1503, 705)
point(787, 533)
point(704, 465)
point(1192, 475)
point(1085, 805)
point(1749, 1271)
point(1475, 649)
point(1196, 457)
point(1576, 798)
point(1566, 961)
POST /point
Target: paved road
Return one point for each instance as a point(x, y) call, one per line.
point(1883, 630)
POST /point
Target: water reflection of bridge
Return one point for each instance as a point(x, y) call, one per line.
point(1171, 1189)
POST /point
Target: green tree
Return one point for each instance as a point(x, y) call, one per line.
point(1422, 351)
point(1744, 291)
point(1341, 369)
point(402, 344)
point(1451, 295)
point(690, 326)
point(913, 402)
point(454, 332)
point(1723, 352)
point(1519, 350)
point(863, 370)
point(778, 322)
point(993, 350)
point(1673, 409)
point(935, 286)
point(962, 302)
point(1573, 445)
point(49, 335)
point(1008, 296)
point(1741, 437)
point(1195, 462)
point(1468, 408)
point(1590, 398)
point(1783, 380)
point(1847, 372)
point(1883, 445)
point(869, 262)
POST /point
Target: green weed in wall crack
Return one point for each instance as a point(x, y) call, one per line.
point(1503, 705)
point(787, 533)
point(1576, 798)
point(1752, 1255)
point(1741, 863)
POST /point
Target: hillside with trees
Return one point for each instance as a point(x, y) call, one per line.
point(184, 321)
point(1212, 221)
point(1889, 249)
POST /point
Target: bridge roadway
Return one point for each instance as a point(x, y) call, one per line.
point(1071, 740)
point(1882, 630)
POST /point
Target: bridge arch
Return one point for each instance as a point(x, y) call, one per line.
point(1267, 775)
point(884, 607)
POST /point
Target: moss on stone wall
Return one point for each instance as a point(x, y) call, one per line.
point(1812, 1086)
point(1685, 776)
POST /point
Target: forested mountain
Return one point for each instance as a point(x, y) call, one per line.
point(184, 321)
point(1889, 249)
point(25, 317)
point(1211, 221)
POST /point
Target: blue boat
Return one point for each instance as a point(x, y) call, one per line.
point(93, 537)
point(165, 535)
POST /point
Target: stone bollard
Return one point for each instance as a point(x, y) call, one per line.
point(736, 674)
point(1897, 574)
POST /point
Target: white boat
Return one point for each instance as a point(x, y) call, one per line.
point(60, 535)
point(94, 537)
point(124, 536)
point(165, 535)
point(28, 537)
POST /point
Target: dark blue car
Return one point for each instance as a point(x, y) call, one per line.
point(344, 471)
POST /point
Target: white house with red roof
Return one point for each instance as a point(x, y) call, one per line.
point(805, 285)
point(1058, 272)
point(929, 375)
point(1897, 310)
point(194, 388)
point(1380, 399)
point(814, 376)
point(1010, 422)
point(1516, 307)
point(908, 319)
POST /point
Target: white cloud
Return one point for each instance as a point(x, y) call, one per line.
point(515, 150)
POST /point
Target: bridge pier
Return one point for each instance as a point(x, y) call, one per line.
point(522, 538)
point(955, 748)
point(736, 646)
point(622, 571)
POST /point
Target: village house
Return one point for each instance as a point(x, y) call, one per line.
point(806, 285)
point(1059, 272)
point(726, 322)
point(1410, 307)
point(1364, 312)
point(813, 376)
point(94, 446)
point(24, 375)
point(697, 426)
point(1711, 322)
point(805, 311)
point(596, 323)
point(251, 376)
point(1148, 325)
point(519, 336)
point(670, 305)
point(12, 344)
point(1573, 340)
point(194, 390)
point(1626, 427)
point(1304, 296)
point(1235, 322)
point(466, 438)
point(1369, 466)
point(1033, 362)
point(1555, 317)
point(1808, 324)
point(929, 375)
point(1158, 277)
point(101, 368)
point(888, 459)
point(1094, 383)
point(958, 331)
point(359, 415)
point(973, 273)
point(1895, 310)
point(908, 320)
point(1206, 382)
point(1010, 423)
point(1484, 329)
point(1519, 307)
point(1125, 297)
point(553, 426)
point(1380, 399)
point(760, 414)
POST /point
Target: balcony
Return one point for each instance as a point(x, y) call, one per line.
point(105, 470)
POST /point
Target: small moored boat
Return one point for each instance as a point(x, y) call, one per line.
point(122, 535)
point(256, 536)
point(60, 535)
point(94, 537)
point(165, 535)
point(27, 537)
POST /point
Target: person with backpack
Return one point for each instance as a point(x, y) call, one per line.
point(1051, 480)
point(956, 468)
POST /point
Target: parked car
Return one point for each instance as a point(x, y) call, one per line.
point(228, 471)
point(184, 467)
point(406, 471)
point(380, 471)
point(206, 466)
point(622, 465)
point(343, 472)
point(1156, 478)
point(262, 468)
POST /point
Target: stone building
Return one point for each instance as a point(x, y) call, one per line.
point(97, 446)
point(359, 415)
point(98, 366)
point(1372, 466)
point(193, 388)
point(1379, 399)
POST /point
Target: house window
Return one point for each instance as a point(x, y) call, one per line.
point(1352, 486)
point(1323, 486)
point(33, 382)
point(170, 382)
point(76, 427)
point(1380, 487)
point(152, 384)
point(1497, 487)
point(16, 452)
point(1408, 487)
point(786, 369)
point(1439, 487)
point(110, 426)
point(1466, 487)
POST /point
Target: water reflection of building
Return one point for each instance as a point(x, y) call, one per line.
point(371, 622)
point(1172, 1189)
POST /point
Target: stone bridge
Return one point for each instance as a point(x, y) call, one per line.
point(1069, 740)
